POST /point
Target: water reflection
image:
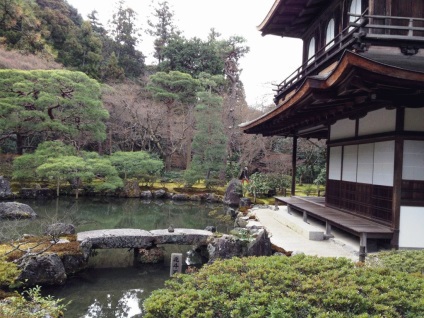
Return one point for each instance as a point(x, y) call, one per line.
point(127, 306)
point(111, 213)
point(113, 287)
point(110, 292)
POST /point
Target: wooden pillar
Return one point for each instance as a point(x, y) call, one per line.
point(294, 159)
point(305, 217)
point(397, 176)
point(363, 247)
point(328, 232)
point(397, 191)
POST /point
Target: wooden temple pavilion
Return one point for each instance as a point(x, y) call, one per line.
point(360, 87)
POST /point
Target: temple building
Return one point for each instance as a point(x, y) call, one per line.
point(360, 87)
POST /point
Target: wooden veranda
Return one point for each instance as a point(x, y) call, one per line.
point(358, 226)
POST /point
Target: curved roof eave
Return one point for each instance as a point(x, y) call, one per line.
point(269, 16)
point(347, 61)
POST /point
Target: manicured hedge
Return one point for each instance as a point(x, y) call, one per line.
point(408, 261)
point(298, 286)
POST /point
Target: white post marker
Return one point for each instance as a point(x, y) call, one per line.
point(176, 263)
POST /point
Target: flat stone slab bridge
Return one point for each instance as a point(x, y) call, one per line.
point(137, 238)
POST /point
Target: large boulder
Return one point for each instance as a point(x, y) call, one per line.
point(229, 246)
point(146, 195)
point(16, 211)
point(232, 193)
point(261, 245)
point(181, 197)
point(213, 198)
point(58, 229)
point(226, 246)
point(44, 269)
point(158, 194)
point(195, 198)
point(131, 189)
point(231, 212)
point(74, 263)
point(245, 203)
point(5, 190)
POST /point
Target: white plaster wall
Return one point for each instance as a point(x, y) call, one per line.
point(414, 119)
point(335, 163)
point(344, 128)
point(384, 155)
point(350, 163)
point(365, 163)
point(413, 160)
point(378, 121)
point(411, 233)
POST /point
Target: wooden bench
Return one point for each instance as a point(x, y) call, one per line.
point(361, 227)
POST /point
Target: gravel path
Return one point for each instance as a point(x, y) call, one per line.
point(275, 222)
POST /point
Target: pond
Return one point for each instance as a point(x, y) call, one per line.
point(113, 286)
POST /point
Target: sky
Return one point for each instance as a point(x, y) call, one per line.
point(270, 60)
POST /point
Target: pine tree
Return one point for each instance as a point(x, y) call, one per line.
point(163, 28)
point(209, 142)
point(126, 36)
point(50, 104)
point(172, 89)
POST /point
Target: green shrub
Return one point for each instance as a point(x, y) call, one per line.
point(31, 305)
point(258, 185)
point(298, 286)
point(401, 260)
point(8, 273)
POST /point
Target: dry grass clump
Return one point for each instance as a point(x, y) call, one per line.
point(39, 244)
point(16, 60)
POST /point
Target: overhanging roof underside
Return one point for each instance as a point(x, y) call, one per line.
point(291, 17)
point(356, 86)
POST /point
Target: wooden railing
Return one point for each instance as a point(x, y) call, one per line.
point(368, 26)
point(333, 48)
point(395, 27)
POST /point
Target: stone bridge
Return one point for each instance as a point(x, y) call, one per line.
point(136, 238)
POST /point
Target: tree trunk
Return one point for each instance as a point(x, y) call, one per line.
point(19, 144)
point(190, 132)
point(168, 150)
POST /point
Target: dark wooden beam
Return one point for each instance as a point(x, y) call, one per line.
point(397, 191)
point(294, 160)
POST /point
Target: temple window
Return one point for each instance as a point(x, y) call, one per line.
point(311, 49)
point(355, 8)
point(330, 31)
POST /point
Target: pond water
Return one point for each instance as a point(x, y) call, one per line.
point(113, 286)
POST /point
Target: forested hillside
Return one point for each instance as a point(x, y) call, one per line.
point(185, 108)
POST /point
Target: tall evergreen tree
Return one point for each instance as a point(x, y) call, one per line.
point(192, 56)
point(96, 25)
point(209, 142)
point(111, 71)
point(163, 29)
point(82, 50)
point(172, 89)
point(126, 36)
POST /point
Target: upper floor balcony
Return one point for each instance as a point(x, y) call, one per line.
point(395, 37)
